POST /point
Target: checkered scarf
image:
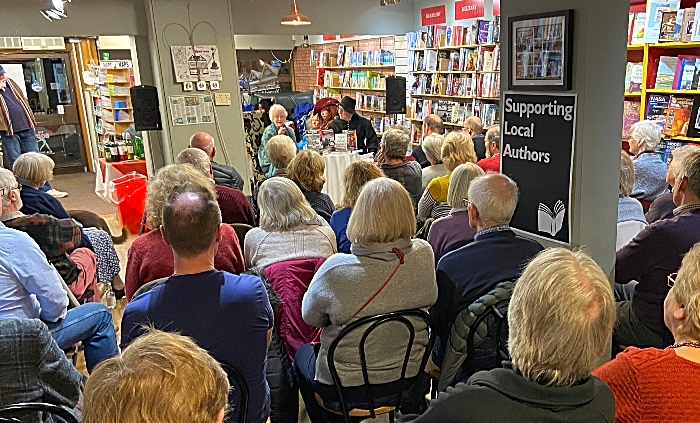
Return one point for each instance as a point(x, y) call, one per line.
point(17, 92)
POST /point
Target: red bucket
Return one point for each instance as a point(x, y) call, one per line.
point(128, 192)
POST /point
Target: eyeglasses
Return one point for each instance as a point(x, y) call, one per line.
point(466, 202)
point(18, 188)
point(672, 279)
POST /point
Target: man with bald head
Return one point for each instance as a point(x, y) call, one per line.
point(431, 125)
point(497, 254)
point(474, 128)
point(228, 315)
point(223, 175)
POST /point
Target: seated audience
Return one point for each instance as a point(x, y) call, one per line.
point(649, 258)
point(474, 128)
point(162, 377)
point(453, 231)
point(662, 207)
point(560, 318)
point(340, 289)
point(497, 254)
point(149, 257)
point(492, 143)
point(32, 170)
point(33, 368)
point(306, 170)
point(230, 315)
point(235, 207)
point(289, 228)
point(223, 175)
point(432, 125)
point(649, 169)
point(59, 239)
point(30, 288)
point(457, 148)
point(630, 214)
point(648, 382)
point(432, 145)
point(394, 145)
point(278, 116)
point(354, 178)
point(280, 150)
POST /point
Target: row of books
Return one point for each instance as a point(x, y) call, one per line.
point(348, 57)
point(370, 102)
point(673, 114)
point(436, 36)
point(462, 60)
point(664, 21)
point(351, 79)
point(678, 72)
point(327, 140)
point(381, 124)
point(455, 112)
point(481, 85)
point(633, 77)
point(666, 147)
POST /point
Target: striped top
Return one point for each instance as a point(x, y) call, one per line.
point(433, 203)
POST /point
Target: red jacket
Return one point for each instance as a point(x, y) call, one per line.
point(235, 207)
point(290, 280)
point(150, 258)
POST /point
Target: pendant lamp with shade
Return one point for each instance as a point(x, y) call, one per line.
point(295, 17)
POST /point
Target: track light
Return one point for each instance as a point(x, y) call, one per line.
point(56, 11)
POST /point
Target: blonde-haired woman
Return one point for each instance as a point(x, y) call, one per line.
point(432, 146)
point(280, 151)
point(354, 178)
point(306, 170)
point(149, 257)
point(278, 116)
point(453, 231)
point(289, 228)
point(661, 385)
point(457, 148)
point(381, 229)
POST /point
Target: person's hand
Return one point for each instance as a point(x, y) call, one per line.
point(282, 130)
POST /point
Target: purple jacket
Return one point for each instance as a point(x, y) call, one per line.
point(449, 233)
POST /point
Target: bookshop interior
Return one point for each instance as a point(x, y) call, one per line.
point(326, 211)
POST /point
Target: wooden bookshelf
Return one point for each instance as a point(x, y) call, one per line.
point(357, 67)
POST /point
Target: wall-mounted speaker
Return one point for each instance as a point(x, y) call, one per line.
point(396, 95)
point(144, 100)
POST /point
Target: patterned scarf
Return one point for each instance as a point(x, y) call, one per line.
point(17, 92)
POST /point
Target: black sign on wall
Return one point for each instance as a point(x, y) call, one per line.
point(537, 152)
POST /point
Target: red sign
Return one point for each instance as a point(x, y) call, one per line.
point(433, 15)
point(496, 7)
point(469, 9)
point(330, 37)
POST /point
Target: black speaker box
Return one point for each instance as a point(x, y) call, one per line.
point(144, 100)
point(396, 95)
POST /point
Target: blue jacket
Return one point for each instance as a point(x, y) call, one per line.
point(649, 176)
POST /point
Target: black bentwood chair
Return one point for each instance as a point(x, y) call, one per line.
point(27, 412)
point(238, 383)
point(356, 403)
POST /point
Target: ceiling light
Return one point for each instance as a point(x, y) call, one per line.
point(57, 4)
point(295, 18)
point(45, 15)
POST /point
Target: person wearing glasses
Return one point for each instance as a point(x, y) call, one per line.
point(649, 258)
point(496, 255)
point(651, 384)
point(474, 128)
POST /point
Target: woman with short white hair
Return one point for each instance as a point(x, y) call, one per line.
point(453, 231)
point(393, 271)
point(289, 228)
point(649, 169)
point(432, 144)
point(653, 384)
point(662, 207)
point(278, 116)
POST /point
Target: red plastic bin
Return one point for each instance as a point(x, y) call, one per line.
point(128, 192)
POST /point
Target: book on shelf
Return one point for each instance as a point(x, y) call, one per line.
point(678, 116)
point(630, 116)
point(656, 109)
point(341, 55)
point(668, 150)
point(430, 61)
point(665, 72)
point(630, 25)
point(694, 126)
point(633, 77)
point(687, 24)
point(638, 28)
point(485, 32)
point(659, 12)
point(685, 73)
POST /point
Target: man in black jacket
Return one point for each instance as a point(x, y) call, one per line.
point(223, 175)
point(349, 120)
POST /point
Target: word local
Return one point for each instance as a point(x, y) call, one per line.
point(520, 131)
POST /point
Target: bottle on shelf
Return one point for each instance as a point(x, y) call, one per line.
point(129, 148)
point(113, 148)
point(138, 148)
point(106, 152)
point(121, 147)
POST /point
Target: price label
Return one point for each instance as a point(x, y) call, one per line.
point(116, 64)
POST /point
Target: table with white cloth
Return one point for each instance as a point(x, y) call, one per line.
point(335, 167)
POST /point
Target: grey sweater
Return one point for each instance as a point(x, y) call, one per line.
point(345, 282)
point(264, 248)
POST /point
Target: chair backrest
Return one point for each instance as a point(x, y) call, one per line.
point(238, 384)
point(241, 229)
point(626, 231)
point(370, 324)
point(17, 413)
point(148, 286)
point(478, 338)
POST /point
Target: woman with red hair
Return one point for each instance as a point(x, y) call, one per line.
point(327, 109)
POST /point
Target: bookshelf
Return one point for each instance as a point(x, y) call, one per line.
point(113, 109)
point(454, 72)
point(649, 55)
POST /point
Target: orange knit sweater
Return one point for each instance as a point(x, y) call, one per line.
point(652, 385)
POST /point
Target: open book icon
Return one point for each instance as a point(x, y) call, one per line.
point(550, 221)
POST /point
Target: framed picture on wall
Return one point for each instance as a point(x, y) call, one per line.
point(541, 51)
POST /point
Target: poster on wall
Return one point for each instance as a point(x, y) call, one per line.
point(435, 15)
point(191, 109)
point(537, 151)
point(199, 64)
point(469, 9)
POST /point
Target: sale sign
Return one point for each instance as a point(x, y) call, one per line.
point(496, 7)
point(433, 15)
point(469, 9)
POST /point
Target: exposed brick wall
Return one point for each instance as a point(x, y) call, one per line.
point(305, 74)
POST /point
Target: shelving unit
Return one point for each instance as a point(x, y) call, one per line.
point(113, 108)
